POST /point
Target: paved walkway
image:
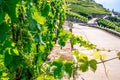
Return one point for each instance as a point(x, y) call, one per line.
point(104, 41)
point(92, 21)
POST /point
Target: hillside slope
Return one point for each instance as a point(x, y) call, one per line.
point(86, 7)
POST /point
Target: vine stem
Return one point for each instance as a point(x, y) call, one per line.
point(107, 60)
point(75, 71)
point(105, 68)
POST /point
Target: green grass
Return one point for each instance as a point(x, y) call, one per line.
point(83, 6)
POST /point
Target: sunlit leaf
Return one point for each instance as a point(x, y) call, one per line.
point(40, 19)
point(83, 57)
point(4, 74)
point(5, 78)
point(1, 59)
point(13, 44)
point(42, 48)
point(76, 53)
point(104, 56)
point(45, 77)
point(16, 51)
point(96, 55)
point(7, 18)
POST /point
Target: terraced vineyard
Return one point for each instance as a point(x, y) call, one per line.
point(108, 24)
point(86, 7)
point(75, 15)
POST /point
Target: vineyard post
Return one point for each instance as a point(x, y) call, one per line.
point(70, 24)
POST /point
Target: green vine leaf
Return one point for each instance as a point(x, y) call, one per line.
point(58, 71)
point(37, 17)
point(15, 51)
point(83, 57)
point(8, 59)
point(13, 44)
point(1, 59)
point(46, 9)
point(33, 25)
point(63, 37)
point(84, 67)
point(11, 5)
point(3, 32)
point(93, 64)
point(74, 40)
point(2, 14)
point(75, 53)
point(68, 67)
point(84, 63)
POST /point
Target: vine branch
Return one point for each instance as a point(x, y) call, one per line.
point(107, 60)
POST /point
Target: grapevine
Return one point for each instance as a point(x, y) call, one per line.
point(29, 29)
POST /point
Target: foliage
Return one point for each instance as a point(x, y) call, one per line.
point(58, 70)
point(108, 24)
point(64, 36)
point(83, 61)
point(59, 67)
point(79, 40)
point(114, 19)
point(27, 35)
point(75, 15)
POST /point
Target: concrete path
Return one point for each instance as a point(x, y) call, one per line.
point(105, 41)
point(92, 21)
